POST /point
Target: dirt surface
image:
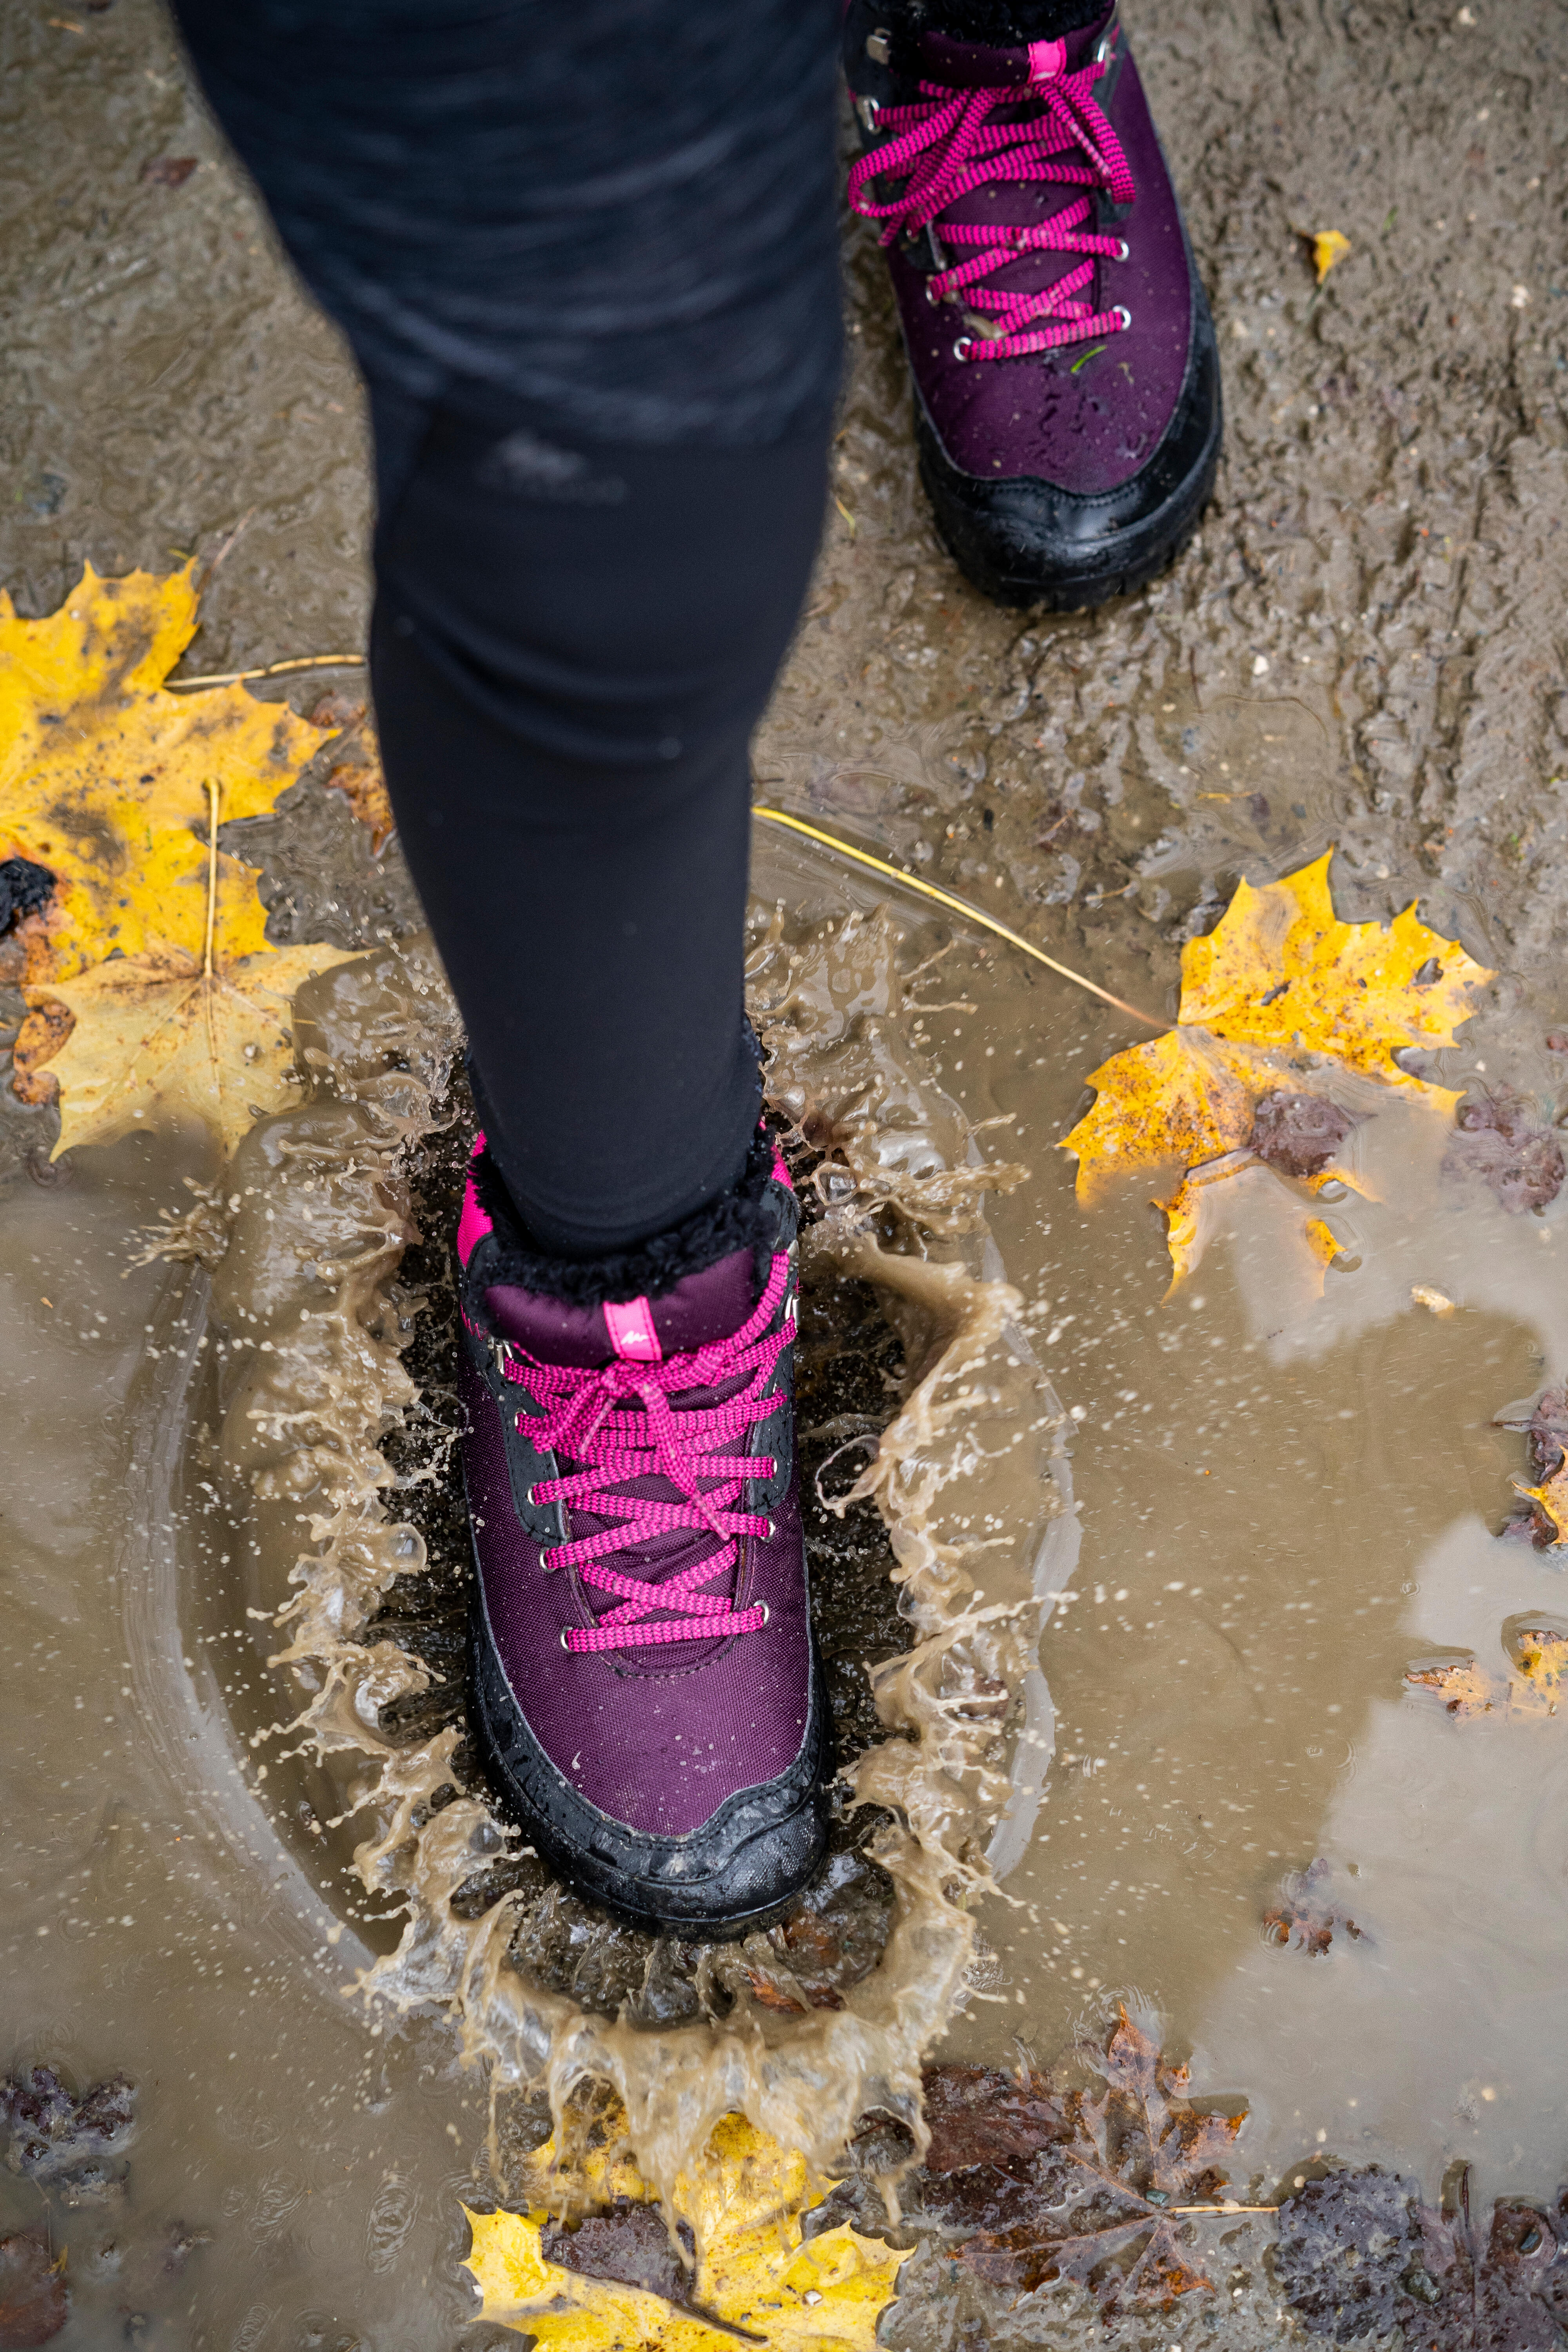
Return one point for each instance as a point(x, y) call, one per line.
point(1365, 646)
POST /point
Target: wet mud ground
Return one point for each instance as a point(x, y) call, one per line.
point(1284, 1500)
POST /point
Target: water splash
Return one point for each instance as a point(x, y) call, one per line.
point(313, 1319)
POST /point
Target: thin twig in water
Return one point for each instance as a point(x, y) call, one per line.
point(959, 906)
point(270, 669)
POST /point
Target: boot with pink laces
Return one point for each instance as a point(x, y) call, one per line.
point(1066, 375)
point(645, 1689)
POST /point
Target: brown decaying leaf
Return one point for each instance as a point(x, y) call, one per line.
point(1542, 1512)
point(1298, 1134)
point(1359, 2253)
point(629, 2243)
point(1501, 1140)
point(1071, 2185)
point(359, 780)
point(33, 2304)
point(364, 788)
point(168, 171)
point(1305, 1918)
point(336, 708)
point(72, 2143)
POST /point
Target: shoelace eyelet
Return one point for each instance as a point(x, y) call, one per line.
point(545, 1552)
point(963, 346)
point(566, 1644)
point(763, 1606)
point(1125, 252)
point(1123, 316)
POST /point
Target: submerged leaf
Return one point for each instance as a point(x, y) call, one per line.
point(33, 2304)
point(1306, 1919)
point(754, 2277)
point(1069, 2186)
point(1360, 2254)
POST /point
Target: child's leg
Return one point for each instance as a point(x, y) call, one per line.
point(571, 647)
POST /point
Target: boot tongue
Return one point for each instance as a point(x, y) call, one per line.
point(975, 65)
point(700, 1307)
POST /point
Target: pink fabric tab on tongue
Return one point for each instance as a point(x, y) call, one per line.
point(1047, 59)
point(473, 1225)
point(630, 1327)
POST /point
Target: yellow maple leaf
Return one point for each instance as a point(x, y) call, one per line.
point(157, 1033)
point(1327, 248)
point(1281, 978)
point(1280, 970)
point(756, 2274)
point(103, 774)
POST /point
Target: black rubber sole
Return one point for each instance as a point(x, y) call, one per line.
point(741, 1871)
point(1025, 542)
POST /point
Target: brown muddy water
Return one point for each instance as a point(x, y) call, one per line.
point(1247, 1509)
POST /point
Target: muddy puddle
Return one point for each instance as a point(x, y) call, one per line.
point(1241, 1512)
point(1267, 1497)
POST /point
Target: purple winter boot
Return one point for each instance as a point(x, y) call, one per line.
point(645, 1688)
point(1067, 379)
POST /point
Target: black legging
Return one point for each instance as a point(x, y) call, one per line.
point(566, 681)
point(588, 259)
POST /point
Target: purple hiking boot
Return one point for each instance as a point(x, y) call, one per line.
point(645, 1688)
point(1067, 378)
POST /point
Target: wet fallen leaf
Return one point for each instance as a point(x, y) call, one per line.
point(71, 2143)
point(1501, 1141)
point(34, 2304)
point(1280, 970)
point(168, 171)
point(104, 775)
point(1465, 1688)
point(1306, 1918)
point(607, 2284)
point(831, 1941)
point(364, 788)
point(1551, 1496)
point(1280, 988)
point(1070, 2186)
point(1359, 2253)
point(1298, 1134)
point(1436, 1302)
point(159, 1034)
point(1543, 1515)
point(1327, 248)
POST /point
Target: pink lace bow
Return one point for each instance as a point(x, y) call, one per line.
point(623, 1422)
point(956, 140)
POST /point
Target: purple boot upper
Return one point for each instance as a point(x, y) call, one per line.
point(631, 1477)
point(1036, 247)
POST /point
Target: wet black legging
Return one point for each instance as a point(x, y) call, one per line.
point(566, 676)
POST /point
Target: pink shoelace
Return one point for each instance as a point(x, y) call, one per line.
point(621, 1422)
point(956, 140)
